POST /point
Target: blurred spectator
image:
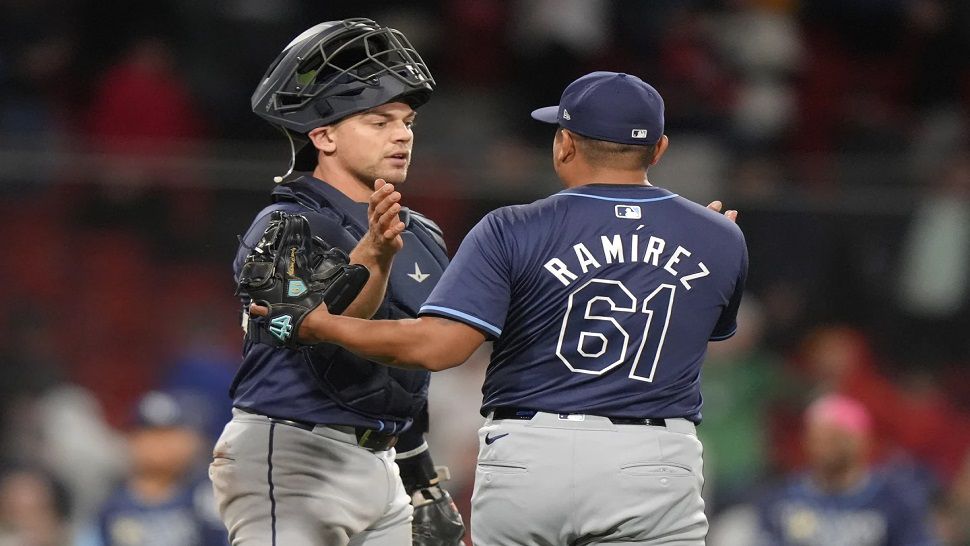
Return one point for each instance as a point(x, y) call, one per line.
point(762, 41)
point(79, 447)
point(842, 500)
point(34, 509)
point(933, 286)
point(920, 420)
point(49, 421)
point(936, 255)
point(578, 25)
point(164, 501)
point(741, 382)
point(142, 105)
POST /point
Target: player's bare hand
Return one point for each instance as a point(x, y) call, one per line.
point(731, 215)
point(384, 220)
point(308, 332)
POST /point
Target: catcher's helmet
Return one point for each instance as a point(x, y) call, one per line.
point(336, 69)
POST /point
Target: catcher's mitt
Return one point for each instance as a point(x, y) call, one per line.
point(291, 272)
point(436, 519)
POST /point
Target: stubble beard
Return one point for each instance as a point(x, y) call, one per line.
point(396, 177)
point(391, 176)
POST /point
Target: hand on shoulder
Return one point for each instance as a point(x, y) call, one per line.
point(731, 215)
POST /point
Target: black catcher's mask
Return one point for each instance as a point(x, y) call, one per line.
point(336, 69)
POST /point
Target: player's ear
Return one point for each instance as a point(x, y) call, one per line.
point(660, 149)
point(567, 147)
point(323, 139)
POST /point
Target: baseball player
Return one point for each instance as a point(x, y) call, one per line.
point(841, 500)
point(319, 435)
point(163, 501)
point(601, 300)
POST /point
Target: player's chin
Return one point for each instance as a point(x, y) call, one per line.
point(395, 175)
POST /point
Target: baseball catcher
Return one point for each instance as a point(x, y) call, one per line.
point(324, 446)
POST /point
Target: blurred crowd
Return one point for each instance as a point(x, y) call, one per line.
point(838, 127)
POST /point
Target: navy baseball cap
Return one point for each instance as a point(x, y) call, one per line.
point(610, 106)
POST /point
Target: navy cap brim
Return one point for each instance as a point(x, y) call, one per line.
point(549, 114)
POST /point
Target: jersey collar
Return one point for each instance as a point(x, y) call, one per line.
point(620, 192)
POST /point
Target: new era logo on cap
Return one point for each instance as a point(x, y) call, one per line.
point(639, 133)
point(565, 114)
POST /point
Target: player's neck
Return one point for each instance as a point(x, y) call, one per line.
point(608, 176)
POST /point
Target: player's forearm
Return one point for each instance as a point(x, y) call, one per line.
point(369, 300)
point(409, 344)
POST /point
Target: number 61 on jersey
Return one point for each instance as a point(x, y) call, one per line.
point(588, 339)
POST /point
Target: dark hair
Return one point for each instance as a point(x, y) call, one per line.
point(602, 153)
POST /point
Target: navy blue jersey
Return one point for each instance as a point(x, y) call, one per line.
point(876, 513)
point(188, 518)
point(601, 299)
point(326, 384)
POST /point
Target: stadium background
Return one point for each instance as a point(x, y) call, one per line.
point(129, 162)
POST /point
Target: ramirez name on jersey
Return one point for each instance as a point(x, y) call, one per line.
point(619, 249)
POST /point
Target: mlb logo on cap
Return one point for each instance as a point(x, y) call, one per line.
point(639, 133)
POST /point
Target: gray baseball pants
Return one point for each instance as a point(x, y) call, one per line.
point(279, 485)
point(580, 480)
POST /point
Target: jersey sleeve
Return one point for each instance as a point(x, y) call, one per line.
point(727, 323)
point(476, 286)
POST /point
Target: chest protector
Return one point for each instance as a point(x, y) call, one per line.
point(366, 387)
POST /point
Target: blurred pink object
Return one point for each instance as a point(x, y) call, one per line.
point(840, 411)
